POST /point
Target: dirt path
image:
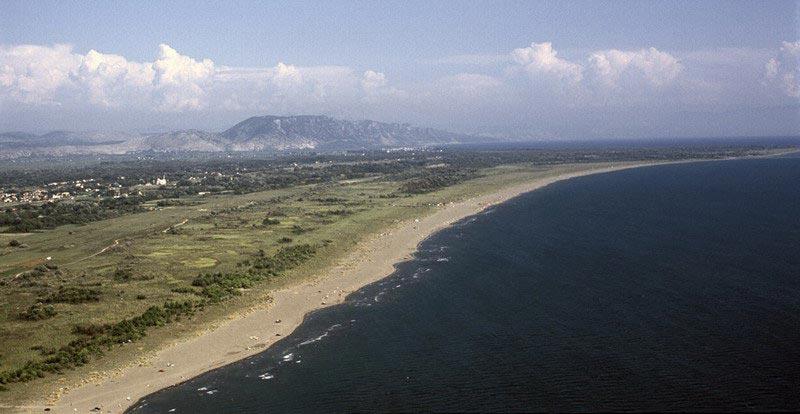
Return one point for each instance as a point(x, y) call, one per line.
point(103, 250)
point(177, 225)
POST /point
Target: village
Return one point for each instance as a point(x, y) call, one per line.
point(84, 189)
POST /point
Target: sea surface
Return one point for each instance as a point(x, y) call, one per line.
point(673, 287)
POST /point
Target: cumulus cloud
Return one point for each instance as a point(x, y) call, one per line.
point(111, 80)
point(181, 81)
point(524, 85)
point(377, 90)
point(173, 82)
point(540, 59)
point(33, 74)
point(613, 68)
point(37, 75)
point(372, 80)
point(784, 69)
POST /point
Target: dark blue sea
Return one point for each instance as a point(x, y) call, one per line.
point(673, 287)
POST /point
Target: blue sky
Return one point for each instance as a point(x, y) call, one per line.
point(632, 66)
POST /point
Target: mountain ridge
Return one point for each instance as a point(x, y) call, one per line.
point(257, 133)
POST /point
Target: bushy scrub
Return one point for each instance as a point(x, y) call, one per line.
point(95, 339)
point(38, 311)
point(297, 229)
point(285, 259)
point(73, 294)
point(435, 179)
point(270, 221)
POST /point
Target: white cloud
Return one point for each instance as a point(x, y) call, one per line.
point(33, 74)
point(285, 76)
point(56, 75)
point(614, 68)
point(784, 69)
point(528, 84)
point(376, 89)
point(111, 80)
point(604, 77)
point(39, 75)
point(181, 81)
point(541, 59)
point(176, 69)
point(373, 81)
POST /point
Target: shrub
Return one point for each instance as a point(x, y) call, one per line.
point(38, 311)
point(297, 229)
point(123, 274)
point(285, 259)
point(219, 286)
point(270, 221)
point(340, 212)
point(431, 180)
point(73, 294)
point(95, 338)
point(14, 243)
point(89, 329)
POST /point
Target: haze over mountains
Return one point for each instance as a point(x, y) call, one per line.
point(261, 133)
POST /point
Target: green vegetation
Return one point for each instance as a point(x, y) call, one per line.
point(436, 178)
point(38, 311)
point(95, 339)
point(219, 286)
point(30, 217)
point(73, 294)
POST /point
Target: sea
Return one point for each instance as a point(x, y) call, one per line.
point(672, 287)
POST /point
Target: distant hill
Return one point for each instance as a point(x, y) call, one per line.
point(261, 133)
point(57, 143)
point(322, 132)
point(187, 140)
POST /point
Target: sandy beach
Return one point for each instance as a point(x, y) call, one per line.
point(373, 259)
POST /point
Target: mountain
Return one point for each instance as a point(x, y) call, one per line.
point(57, 143)
point(325, 133)
point(187, 140)
point(260, 133)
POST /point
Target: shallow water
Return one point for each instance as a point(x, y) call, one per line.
point(662, 288)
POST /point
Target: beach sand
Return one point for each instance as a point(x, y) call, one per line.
point(371, 260)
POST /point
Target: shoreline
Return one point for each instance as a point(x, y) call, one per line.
point(373, 259)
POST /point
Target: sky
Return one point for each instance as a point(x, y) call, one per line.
point(521, 69)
